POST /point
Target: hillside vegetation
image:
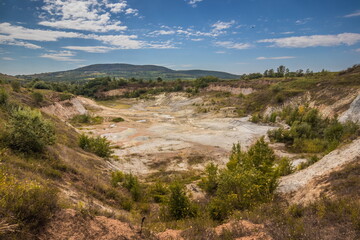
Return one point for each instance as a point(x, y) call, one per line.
point(55, 169)
point(126, 71)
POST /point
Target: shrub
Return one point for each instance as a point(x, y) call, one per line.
point(86, 119)
point(118, 119)
point(28, 203)
point(250, 178)
point(132, 184)
point(65, 96)
point(27, 131)
point(285, 167)
point(178, 204)
point(210, 182)
point(15, 85)
point(159, 192)
point(3, 96)
point(41, 85)
point(116, 178)
point(37, 97)
point(99, 145)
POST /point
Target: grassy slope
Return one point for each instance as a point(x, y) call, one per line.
point(77, 175)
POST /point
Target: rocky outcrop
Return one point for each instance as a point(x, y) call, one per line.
point(66, 109)
point(353, 113)
point(297, 182)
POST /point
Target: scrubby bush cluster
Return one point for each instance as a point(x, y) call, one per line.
point(27, 131)
point(27, 204)
point(86, 119)
point(249, 179)
point(311, 133)
point(98, 145)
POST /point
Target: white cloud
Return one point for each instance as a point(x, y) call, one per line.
point(303, 21)
point(65, 56)
point(132, 11)
point(7, 40)
point(193, 3)
point(16, 33)
point(216, 29)
point(219, 25)
point(197, 39)
point(275, 58)
point(314, 40)
point(285, 33)
point(357, 50)
point(7, 59)
point(162, 32)
point(354, 14)
point(117, 7)
point(86, 15)
point(120, 41)
point(91, 49)
point(220, 52)
point(19, 32)
point(233, 45)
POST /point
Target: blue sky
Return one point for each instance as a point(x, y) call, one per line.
point(236, 36)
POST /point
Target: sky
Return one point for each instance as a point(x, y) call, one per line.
point(236, 36)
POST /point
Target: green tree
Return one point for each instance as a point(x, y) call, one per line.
point(250, 178)
point(210, 182)
point(28, 131)
point(179, 205)
point(281, 70)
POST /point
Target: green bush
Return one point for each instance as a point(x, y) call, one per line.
point(65, 96)
point(250, 179)
point(285, 167)
point(132, 184)
point(178, 204)
point(118, 119)
point(86, 119)
point(210, 182)
point(28, 203)
point(15, 85)
point(41, 85)
point(116, 178)
point(99, 145)
point(3, 96)
point(37, 97)
point(159, 192)
point(27, 131)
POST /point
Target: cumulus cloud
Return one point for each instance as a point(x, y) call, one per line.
point(162, 32)
point(90, 49)
point(65, 56)
point(354, 14)
point(86, 15)
point(219, 25)
point(233, 45)
point(7, 59)
point(275, 58)
point(314, 40)
point(13, 35)
point(215, 30)
point(194, 3)
point(7, 40)
point(19, 32)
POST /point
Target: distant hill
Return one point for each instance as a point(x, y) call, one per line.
point(6, 77)
point(126, 71)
